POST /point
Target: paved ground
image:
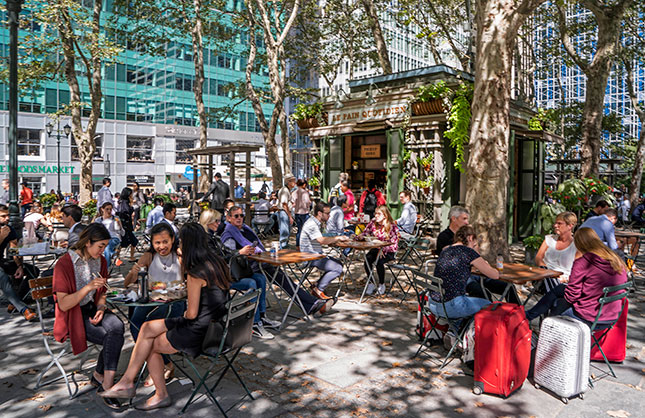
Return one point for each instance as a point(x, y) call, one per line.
point(352, 362)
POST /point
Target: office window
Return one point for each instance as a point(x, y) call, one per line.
point(139, 149)
point(98, 152)
point(29, 142)
point(181, 157)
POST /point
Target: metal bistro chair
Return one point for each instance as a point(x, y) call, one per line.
point(606, 326)
point(224, 337)
point(42, 289)
point(631, 259)
point(263, 228)
point(457, 326)
point(419, 252)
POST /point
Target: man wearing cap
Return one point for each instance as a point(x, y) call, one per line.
point(220, 191)
point(285, 218)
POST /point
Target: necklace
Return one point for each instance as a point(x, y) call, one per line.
point(165, 266)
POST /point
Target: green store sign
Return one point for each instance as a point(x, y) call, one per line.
point(38, 169)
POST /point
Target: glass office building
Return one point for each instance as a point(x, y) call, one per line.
point(149, 117)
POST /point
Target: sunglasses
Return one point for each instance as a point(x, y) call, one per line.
point(237, 215)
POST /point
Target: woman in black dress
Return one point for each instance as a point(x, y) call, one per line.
point(125, 212)
point(207, 283)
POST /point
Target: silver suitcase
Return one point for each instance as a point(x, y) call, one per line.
point(562, 357)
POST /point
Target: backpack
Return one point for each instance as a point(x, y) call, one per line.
point(369, 205)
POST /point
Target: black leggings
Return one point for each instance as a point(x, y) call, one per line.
point(380, 263)
point(108, 333)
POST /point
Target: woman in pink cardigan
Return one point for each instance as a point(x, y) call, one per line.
point(80, 278)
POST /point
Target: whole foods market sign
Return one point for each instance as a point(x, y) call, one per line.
point(40, 169)
point(379, 111)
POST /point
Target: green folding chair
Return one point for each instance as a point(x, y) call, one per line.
point(224, 340)
point(606, 326)
point(457, 326)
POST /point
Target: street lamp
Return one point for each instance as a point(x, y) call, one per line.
point(67, 130)
point(106, 166)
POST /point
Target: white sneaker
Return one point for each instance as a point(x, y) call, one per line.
point(370, 288)
point(381, 289)
point(260, 332)
point(270, 323)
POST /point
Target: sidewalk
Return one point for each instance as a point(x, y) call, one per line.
point(353, 362)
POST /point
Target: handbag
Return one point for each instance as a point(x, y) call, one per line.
point(240, 267)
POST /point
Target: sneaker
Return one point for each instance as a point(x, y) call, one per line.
point(270, 323)
point(381, 289)
point(29, 315)
point(370, 288)
point(329, 303)
point(260, 332)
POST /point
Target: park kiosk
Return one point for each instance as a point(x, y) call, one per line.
point(371, 133)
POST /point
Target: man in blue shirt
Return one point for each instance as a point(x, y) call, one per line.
point(155, 215)
point(104, 195)
point(239, 191)
point(603, 225)
point(408, 219)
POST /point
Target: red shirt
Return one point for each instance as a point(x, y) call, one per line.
point(380, 199)
point(26, 196)
point(70, 324)
point(350, 204)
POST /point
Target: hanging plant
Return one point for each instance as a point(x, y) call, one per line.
point(459, 122)
point(423, 184)
point(425, 162)
point(308, 115)
point(315, 162)
point(314, 182)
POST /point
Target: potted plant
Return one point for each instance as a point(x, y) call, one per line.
point(89, 210)
point(531, 247)
point(429, 99)
point(355, 165)
point(314, 183)
point(315, 162)
point(308, 115)
point(425, 162)
point(47, 200)
point(423, 184)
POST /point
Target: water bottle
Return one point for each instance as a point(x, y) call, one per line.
point(274, 249)
point(499, 263)
point(143, 285)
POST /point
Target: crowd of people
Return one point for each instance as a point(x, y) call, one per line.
point(211, 257)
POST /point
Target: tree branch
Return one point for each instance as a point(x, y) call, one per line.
point(566, 39)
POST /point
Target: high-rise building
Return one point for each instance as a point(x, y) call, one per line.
point(148, 117)
point(557, 83)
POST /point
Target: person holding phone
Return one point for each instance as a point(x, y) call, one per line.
point(237, 230)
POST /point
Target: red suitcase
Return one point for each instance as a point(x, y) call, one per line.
point(502, 349)
point(613, 344)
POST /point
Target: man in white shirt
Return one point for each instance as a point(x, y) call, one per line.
point(285, 218)
point(336, 221)
point(311, 239)
point(408, 219)
point(169, 214)
point(104, 195)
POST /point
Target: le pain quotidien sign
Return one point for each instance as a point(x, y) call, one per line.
point(381, 111)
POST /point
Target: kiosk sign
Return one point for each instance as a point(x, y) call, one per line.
point(380, 111)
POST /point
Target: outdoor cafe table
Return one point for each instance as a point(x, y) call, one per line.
point(284, 261)
point(363, 247)
point(35, 251)
point(520, 274)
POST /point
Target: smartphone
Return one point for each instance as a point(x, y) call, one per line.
point(255, 243)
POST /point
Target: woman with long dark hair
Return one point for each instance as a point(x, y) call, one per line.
point(207, 283)
point(80, 279)
point(161, 262)
point(383, 228)
point(126, 214)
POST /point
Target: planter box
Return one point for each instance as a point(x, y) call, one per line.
point(427, 108)
point(307, 123)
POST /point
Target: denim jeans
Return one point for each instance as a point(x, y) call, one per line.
point(300, 221)
point(141, 314)
point(548, 302)
point(9, 293)
point(109, 334)
point(459, 307)
point(109, 250)
point(331, 268)
point(285, 228)
point(256, 281)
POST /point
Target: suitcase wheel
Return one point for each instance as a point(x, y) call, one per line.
point(536, 386)
point(477, 390)
point(581, 396)
point(565, 400)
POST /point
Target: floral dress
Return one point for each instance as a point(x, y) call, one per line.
point(380, 234)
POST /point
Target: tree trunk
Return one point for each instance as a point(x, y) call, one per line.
point(284, 134)
point(592, 115)
point(488, 172)
point(198, 90)
point(637, 171)
point(379, 39)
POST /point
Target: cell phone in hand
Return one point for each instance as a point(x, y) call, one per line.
point(255, 243)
